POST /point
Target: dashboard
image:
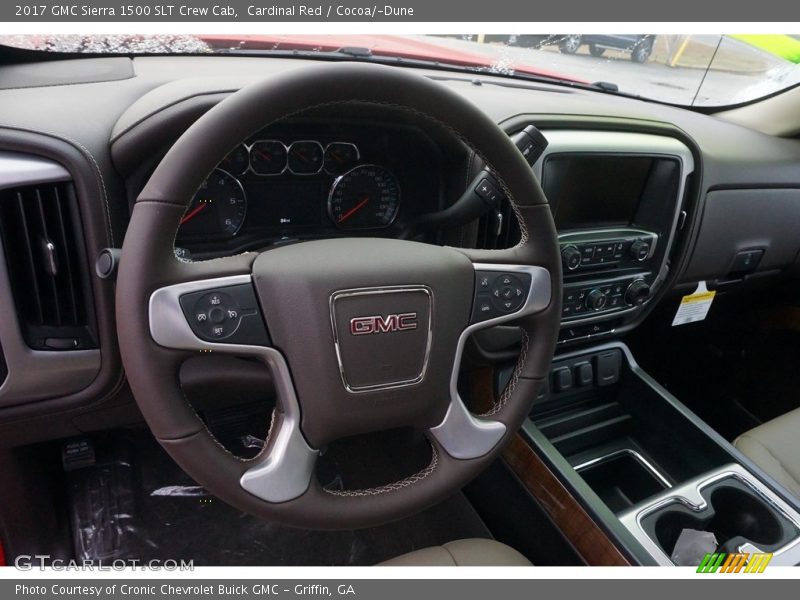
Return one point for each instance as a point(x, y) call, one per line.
point(641, 192)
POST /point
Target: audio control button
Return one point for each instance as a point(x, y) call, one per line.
point(640, 250)
point(571, 257)
point(498, 294)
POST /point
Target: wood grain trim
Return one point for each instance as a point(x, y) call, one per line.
point(578, 527)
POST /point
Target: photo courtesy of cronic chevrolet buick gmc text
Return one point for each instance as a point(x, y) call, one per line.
point(405, 300)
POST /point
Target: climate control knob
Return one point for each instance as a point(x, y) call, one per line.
point(640, 250)
point(638, 291)
point(571, 257)
point(596, 300)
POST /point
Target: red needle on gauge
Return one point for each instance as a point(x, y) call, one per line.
point(353, 210)
point(194, 212)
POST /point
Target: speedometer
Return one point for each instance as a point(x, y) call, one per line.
point(367, 197)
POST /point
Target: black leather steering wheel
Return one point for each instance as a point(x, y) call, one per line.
point(371, 345)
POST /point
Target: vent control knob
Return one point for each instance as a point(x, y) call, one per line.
point(596, 300)
point(638, 291)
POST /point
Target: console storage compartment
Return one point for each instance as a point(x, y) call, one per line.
point(624, 439)
point(622, 479)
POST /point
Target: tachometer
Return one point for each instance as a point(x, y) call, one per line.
point(367, 197)
point(217, 209)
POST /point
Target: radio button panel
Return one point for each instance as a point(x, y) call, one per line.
point(580, 254)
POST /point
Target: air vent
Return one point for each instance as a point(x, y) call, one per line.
point(45, 256)
point(497, 230)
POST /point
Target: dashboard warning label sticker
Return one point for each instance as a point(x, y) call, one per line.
point(695, 306)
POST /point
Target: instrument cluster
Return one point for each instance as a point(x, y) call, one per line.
point(286, 184)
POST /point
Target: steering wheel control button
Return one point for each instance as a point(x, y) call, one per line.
point(498, 294)
point(227, 315)
point(211, 311)
point(489, 192)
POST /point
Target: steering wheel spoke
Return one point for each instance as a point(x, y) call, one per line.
point(223, 315)
point(503, 293)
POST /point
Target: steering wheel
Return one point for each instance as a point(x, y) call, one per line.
point(372, 344)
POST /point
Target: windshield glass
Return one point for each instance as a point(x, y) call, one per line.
point(692, 70)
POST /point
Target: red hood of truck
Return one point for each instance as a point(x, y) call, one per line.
point(379, 45)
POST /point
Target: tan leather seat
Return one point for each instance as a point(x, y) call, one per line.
point(462, 553)
point(775, 447)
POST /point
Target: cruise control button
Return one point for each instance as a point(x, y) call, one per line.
point(226, 315)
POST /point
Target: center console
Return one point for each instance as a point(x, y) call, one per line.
point(647, 468)
point(616, 201)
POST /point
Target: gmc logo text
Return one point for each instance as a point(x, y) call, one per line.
point(379, 324)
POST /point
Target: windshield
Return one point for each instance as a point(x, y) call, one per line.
point(691, 70)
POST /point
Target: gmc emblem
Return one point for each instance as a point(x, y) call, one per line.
point(379, 324)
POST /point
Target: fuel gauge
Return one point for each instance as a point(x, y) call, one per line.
point(340, 157)
point(237, 161)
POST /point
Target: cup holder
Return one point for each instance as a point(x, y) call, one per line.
point(735, 514)
point(739, 513)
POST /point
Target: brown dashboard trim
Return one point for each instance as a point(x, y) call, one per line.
point(593, 545)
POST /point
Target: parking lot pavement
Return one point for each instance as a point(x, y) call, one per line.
point(655, 79)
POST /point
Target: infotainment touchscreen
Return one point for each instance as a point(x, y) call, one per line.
point(588, 191)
